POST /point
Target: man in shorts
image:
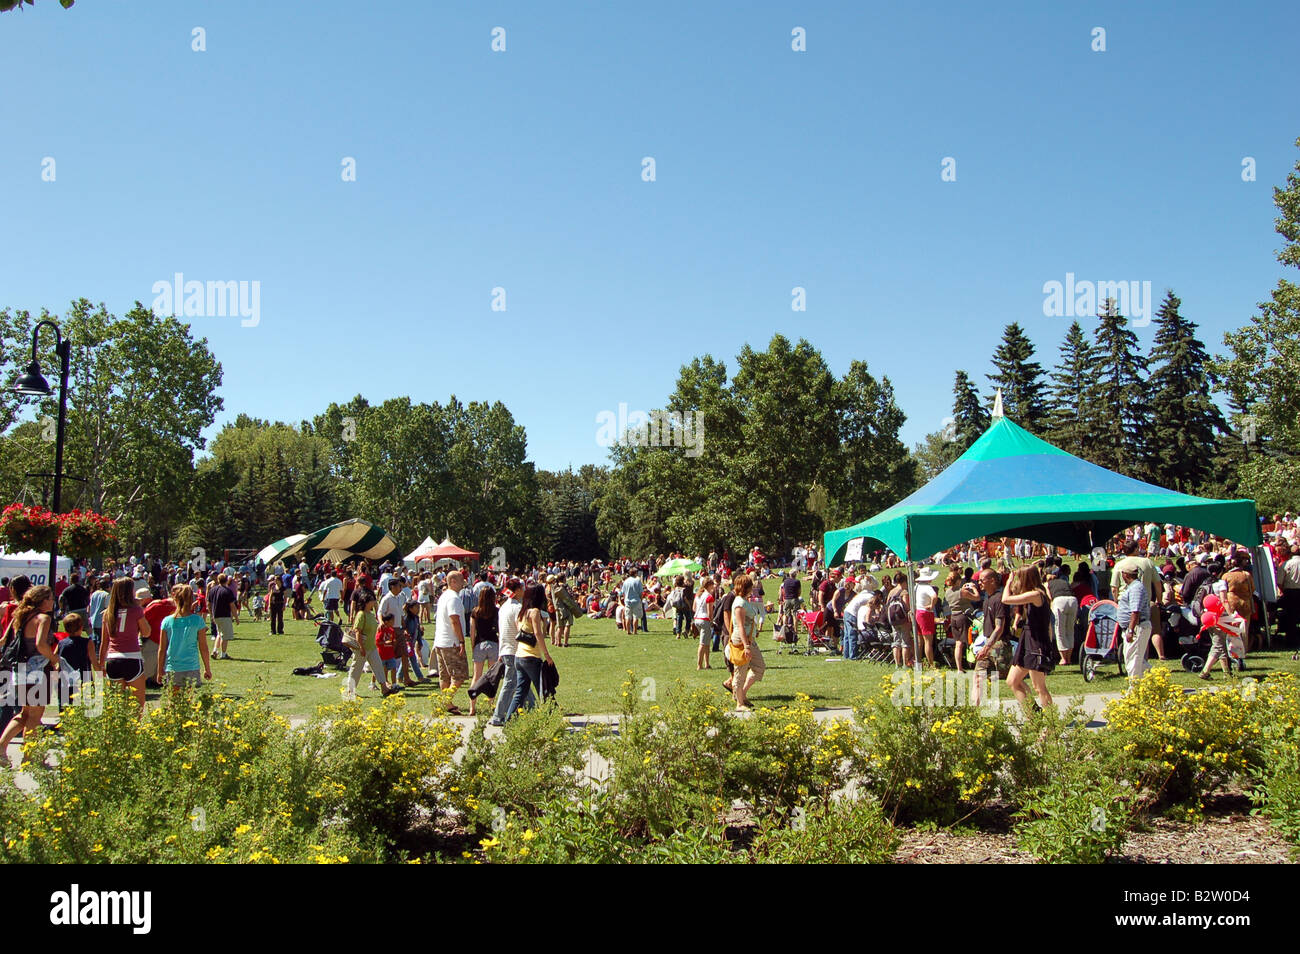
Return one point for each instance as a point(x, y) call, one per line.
point(330, 591)
point(449, 639)
point(995, 654)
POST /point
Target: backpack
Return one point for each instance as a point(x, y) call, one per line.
point(720, 617)
point(677, 599)
point(896, 612)
point(14, 651)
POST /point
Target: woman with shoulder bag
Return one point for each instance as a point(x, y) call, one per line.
point(530, 648)
point(30, 631)
point(742, 646)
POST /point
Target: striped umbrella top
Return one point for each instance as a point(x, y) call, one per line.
point(356, 537)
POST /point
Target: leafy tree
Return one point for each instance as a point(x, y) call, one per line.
point(935, 454)
point(141, 390)
point(1019, 377)
point(6, 5)
point(1186, 424)
point(1072, 410)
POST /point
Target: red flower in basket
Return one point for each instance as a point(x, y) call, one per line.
point(24, 527)
point(87, 534)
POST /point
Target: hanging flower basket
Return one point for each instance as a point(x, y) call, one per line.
point(24, 527)
point(87, 534)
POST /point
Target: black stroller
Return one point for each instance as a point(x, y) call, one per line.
point(329, 636)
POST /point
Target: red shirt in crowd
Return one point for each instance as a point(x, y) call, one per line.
point(155, 613)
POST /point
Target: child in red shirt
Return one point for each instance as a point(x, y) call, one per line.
point(386, 643)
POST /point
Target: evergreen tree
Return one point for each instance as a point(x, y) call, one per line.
point(970, 418)
point(1261, 373)
point(1120, 398)
point(1019, 377)
point(1072, 423)
point(1185, 421)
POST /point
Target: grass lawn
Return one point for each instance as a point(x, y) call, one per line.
point(594, 667)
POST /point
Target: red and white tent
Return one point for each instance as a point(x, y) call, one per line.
point(442, 551)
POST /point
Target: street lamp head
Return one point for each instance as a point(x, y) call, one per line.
point(33, 383)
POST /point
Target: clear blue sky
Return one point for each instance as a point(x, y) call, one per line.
point(522, 170)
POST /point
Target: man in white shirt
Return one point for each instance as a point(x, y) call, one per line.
point(508, 639)
point(449, 639)
point(331, 589)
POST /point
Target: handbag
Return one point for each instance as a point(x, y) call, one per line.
point(737, 654)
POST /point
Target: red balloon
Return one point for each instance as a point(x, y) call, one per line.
point(1213, 603)
point(1209, 620)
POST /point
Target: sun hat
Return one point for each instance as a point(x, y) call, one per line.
point(927, 575)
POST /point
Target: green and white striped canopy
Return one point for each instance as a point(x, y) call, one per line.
point(351, 538)
point(273, 551)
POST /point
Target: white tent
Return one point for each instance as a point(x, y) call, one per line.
point(409, 559)
point(33, 565)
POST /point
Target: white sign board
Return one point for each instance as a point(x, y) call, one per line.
point(853, 552)
point(33, 565)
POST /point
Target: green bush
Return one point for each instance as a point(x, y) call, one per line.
point(932, 762)
point(379, 765)
point(537, 760)
point(844, 831)
point(784, 757)
point(1277, 794)
point(200, 778)
point(668, 764)
point(1079, 794)
point(583, 832)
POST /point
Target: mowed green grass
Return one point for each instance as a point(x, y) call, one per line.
point(594, 668)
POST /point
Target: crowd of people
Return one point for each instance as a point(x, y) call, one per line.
point(144, 622)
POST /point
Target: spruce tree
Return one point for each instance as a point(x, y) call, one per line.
point(1020, 379)
point(1072, 424)
point(1120, 398)
point(970, 418)
point(1185, 421)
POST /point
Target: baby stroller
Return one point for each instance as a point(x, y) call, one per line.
point(329, 636)
point(1101, 644)
point(814, 624)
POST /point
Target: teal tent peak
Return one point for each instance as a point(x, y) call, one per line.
point(1011, 483)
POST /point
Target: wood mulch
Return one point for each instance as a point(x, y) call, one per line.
point(1226, 834)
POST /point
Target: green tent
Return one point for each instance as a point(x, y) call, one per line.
point(1010, 483)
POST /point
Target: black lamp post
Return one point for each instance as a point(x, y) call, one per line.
point(33, 384)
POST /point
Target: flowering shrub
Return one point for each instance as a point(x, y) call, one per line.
point(536, 760)
point(25, 527)
point(84, 533)
point(669, 764)
point(380, 764)
point(203, 778)
point(934, 762)
point(785, 756)
point(1191, 744)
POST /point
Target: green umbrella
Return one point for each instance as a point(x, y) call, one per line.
point(682, 565)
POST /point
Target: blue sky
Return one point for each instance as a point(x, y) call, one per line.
point(522, 170)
